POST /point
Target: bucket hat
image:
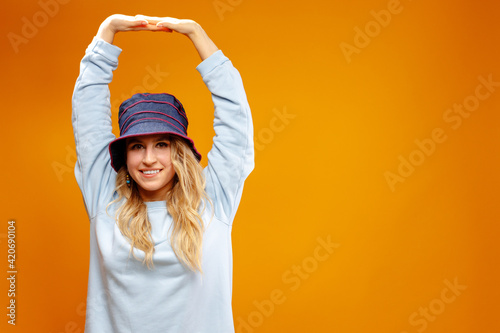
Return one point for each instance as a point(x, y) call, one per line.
point(144, 114)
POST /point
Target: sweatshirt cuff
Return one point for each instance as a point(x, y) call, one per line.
point(107, 50)
point(207, 65)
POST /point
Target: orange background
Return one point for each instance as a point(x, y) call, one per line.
point(320, 173)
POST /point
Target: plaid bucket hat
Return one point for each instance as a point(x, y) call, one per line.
point(144, 114)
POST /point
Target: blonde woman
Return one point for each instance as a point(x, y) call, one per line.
point(160, 225)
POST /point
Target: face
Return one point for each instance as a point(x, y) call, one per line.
point(150, 166)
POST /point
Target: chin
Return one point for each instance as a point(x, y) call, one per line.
point(151, 188)
point(155, 187)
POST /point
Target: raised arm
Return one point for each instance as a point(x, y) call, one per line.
point(91, 110)
point(231, 158)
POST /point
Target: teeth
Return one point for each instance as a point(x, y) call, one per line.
point(151, 172)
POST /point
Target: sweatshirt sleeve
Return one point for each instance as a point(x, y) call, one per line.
point(231, 158)
point(91, 119)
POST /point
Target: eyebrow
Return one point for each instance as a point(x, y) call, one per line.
point(137, 140)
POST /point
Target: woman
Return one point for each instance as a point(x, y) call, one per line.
point(146, 194)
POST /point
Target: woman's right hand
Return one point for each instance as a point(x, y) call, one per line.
point(117, 23)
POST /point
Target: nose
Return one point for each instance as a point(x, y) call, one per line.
point(149, 157)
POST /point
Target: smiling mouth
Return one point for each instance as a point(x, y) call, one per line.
point(150, 172)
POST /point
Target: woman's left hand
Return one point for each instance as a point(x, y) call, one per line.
point(189, 28)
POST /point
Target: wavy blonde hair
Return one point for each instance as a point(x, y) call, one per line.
point(184, 199)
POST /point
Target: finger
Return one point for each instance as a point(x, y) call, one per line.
point(163, 25)
point(152, 22)
point(149, 27)
point(139, 19)
point(130, 22)
point(150, 19)
point(140, 23)
point(168, 22)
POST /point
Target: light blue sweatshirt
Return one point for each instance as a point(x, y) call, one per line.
point(123, 295)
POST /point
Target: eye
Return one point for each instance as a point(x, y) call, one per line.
point(135, 146)
point(163, 144)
